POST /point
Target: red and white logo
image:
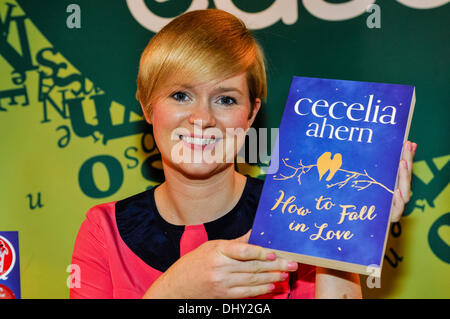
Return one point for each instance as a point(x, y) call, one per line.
point(6, 293)
point(7, 258)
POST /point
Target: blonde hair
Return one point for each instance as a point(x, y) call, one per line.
point(200, 46)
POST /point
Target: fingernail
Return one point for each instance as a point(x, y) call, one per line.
point(405, 163)
point(284, 275)
point(400, 192)
point(292, 265)
point(271, 256)
point(414, 147)
point(272, 287)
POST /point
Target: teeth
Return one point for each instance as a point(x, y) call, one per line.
point(197, 140)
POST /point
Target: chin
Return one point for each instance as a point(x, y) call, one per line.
point(197, 164)
point(201, 170)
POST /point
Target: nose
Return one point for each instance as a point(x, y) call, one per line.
point(201, 115)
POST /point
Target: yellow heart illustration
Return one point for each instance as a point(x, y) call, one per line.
point(325, 164)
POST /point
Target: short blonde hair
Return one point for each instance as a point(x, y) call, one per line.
point(200, 46)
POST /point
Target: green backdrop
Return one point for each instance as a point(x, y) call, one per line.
point(73, 136)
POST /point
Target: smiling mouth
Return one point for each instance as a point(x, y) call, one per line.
point(198, 140)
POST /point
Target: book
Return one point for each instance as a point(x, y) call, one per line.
point(337, 154)
point(9, 265)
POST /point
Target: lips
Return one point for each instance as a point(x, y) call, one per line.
point(199, 143)
point(197, 140)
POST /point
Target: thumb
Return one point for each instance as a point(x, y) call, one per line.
point(244, 238)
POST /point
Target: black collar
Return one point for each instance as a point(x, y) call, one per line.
point(157, 242)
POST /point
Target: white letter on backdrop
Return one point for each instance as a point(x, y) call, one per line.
point(151, 21)
point(284, 10)
point(336, 11)
point(423, 4)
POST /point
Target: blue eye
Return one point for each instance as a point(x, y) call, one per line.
point(180, 97)
point(227, 100)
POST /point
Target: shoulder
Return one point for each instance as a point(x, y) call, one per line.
point(137, 215)
point(104, 215)
point(100, 214)
point(134, 206)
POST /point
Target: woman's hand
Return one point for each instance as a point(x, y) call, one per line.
point(402, 193)
point(222, 269)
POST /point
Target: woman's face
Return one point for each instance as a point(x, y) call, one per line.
point(200, 128)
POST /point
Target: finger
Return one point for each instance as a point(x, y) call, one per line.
point(414, 147)
point(250, 291)
point(257, 266)
point(408, 154)
point(397, 207)
point(404, 181)
point(256, 279)
point(242, 251)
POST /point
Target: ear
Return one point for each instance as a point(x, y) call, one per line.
point(147, 116)
point(256, 107)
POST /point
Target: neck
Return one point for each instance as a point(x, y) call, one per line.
point(184, 201)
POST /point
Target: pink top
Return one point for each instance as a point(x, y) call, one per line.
point(123, 247)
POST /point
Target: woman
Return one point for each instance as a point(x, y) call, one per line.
point(200, 76)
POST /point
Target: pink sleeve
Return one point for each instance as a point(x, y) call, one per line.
point(304, 284)
point(90, 258)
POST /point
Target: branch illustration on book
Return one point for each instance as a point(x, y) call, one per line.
point(326, 164)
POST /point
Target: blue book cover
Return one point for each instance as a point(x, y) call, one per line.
point(9, 265)
point(338, 152)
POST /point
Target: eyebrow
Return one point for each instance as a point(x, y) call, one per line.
point(220, 89)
